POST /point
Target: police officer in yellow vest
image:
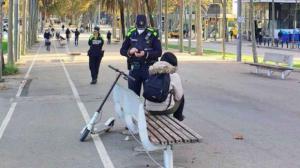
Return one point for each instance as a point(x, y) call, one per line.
point(95, 53)
point(142, 49)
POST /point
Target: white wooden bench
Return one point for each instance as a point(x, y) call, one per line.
point(160, 132)
point(275, 62)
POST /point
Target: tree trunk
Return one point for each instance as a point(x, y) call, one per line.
point(199, 48)
point(239, 46)
point(16, 29)
point(225, 19)
point(253, 38)
point(114, 30)
point(181, 13)
point(295, 23)
point(128, 24)
point(273, 21)
point(121, 5)
point(1, 46)
point(149, 13)
point(10, 58)
point(35, 21)
point(224, 29)
point(190, 25)
point(23, 44)
point(166, 24)
point(28, 24)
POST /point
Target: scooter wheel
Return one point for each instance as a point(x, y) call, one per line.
point(84, 134)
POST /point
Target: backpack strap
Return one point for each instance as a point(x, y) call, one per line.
point(171, 92)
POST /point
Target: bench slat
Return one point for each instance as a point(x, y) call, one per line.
point(271, 66)
point(184, 133)
point(162, 140)
point(279, 58)
point(177, 130)
point(161, 134)
point(196, 135)
point(179, 126)
point(151, 134)
point(166, 128)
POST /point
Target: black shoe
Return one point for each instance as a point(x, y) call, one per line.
point(93, 82)
point(180, 118)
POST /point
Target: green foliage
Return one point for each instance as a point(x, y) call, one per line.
point(4, 47)
point(10, 70)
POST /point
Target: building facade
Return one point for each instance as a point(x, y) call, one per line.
point(287, 15)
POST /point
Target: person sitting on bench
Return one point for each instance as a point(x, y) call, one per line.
point(174, 103)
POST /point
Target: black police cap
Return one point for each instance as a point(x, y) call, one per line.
point(141, 21)
point(96, 28)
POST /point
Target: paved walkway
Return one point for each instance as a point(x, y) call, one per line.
point(40, 124)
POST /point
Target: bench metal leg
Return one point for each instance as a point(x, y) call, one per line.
point(168, 157)
point(269, 73)
point(257, 70)
point(284, 74)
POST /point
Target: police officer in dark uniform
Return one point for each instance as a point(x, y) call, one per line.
point(142, 49)
point(95, 53)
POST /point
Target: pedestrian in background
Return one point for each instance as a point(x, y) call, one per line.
point(76, 33)
point(108, 36)
point(68, 34)
point(47, 37)
point(95, 54)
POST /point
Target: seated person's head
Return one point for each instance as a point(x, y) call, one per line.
point(170, 58)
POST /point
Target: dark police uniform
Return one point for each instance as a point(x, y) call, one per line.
point(149, 43)
point(95, 54)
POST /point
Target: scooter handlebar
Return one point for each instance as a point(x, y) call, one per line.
point(121, 72)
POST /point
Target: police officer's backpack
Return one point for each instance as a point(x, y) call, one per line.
point(156, 87)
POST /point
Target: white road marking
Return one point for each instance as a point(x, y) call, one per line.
point(106, 161)
point(14, 104)
point(7, 118)
point(21, 87)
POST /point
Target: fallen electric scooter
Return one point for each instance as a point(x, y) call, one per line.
point(89, 128)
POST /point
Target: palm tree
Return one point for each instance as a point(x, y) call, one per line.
point(253, 38)
point(113, 6)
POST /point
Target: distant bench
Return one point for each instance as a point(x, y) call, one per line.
point(160, 132)
point(275, 62)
